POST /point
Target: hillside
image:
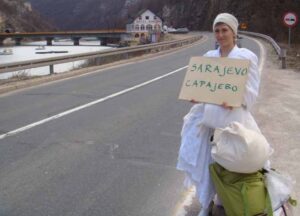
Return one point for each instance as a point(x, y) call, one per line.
point(17, 15)
point(264, 16)
point(83, 14)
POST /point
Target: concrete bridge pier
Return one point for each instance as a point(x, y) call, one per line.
point(76, 40)
point(100, 40)
point(1, 41)
point(18, 41)
point(103, 41)
point(49, 41)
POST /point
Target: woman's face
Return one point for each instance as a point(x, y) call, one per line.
point(224, 35)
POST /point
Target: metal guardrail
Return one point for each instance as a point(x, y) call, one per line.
point(22, 65)
point(281, 52)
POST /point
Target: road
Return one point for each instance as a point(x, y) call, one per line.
point(116, 157)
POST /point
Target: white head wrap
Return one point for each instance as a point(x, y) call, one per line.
point(229, 20)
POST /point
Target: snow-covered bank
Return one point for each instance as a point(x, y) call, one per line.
point(28, 52)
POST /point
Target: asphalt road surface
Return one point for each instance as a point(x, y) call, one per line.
point(114, 158)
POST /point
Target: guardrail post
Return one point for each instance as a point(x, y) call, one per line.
point(18, 41)
point(104, 42)
point(49, 41)
point(76, 41)
point(51, 69)
point(283, 57)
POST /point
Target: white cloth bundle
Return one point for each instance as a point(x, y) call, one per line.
point(239, 149)
point(215, 116)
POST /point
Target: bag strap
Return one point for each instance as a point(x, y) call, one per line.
point(245, 199)
point(269, 208)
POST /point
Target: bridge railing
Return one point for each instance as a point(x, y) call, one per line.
point(85, 32)
point(281, 52)
point(23, 65)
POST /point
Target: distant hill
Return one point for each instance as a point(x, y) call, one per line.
point(263, 16)
point(17, 15)
point(83, 14)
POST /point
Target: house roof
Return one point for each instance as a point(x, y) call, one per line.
point(140, 13)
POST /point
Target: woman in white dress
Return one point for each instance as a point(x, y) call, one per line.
point(199, 124)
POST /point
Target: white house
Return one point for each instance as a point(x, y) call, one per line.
point(145, 26)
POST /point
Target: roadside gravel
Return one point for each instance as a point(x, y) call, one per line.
point(277, 113)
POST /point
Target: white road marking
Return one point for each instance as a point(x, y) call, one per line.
point(43, 121)
point(262, 57)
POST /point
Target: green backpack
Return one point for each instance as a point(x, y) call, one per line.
point(241, 194)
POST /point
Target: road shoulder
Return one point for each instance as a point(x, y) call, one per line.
point(278, 115)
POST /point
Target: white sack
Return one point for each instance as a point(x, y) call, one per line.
point(239, 149)
point(279, 187)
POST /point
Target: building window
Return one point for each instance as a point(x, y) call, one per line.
point(147, 17)
point(142, 27)
point(137, 27)
point(140, 17)
point(136, 35)
point(155, 17)
point(149, 27)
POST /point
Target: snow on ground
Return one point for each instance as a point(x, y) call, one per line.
point(27, 52)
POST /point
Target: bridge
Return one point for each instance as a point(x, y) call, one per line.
point(104, 36)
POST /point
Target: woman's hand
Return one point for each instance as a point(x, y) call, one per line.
point(193, 101)
point(225, 106)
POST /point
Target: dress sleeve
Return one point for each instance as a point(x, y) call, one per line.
point(252, 84)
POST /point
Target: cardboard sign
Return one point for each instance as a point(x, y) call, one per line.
point(215, 80)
